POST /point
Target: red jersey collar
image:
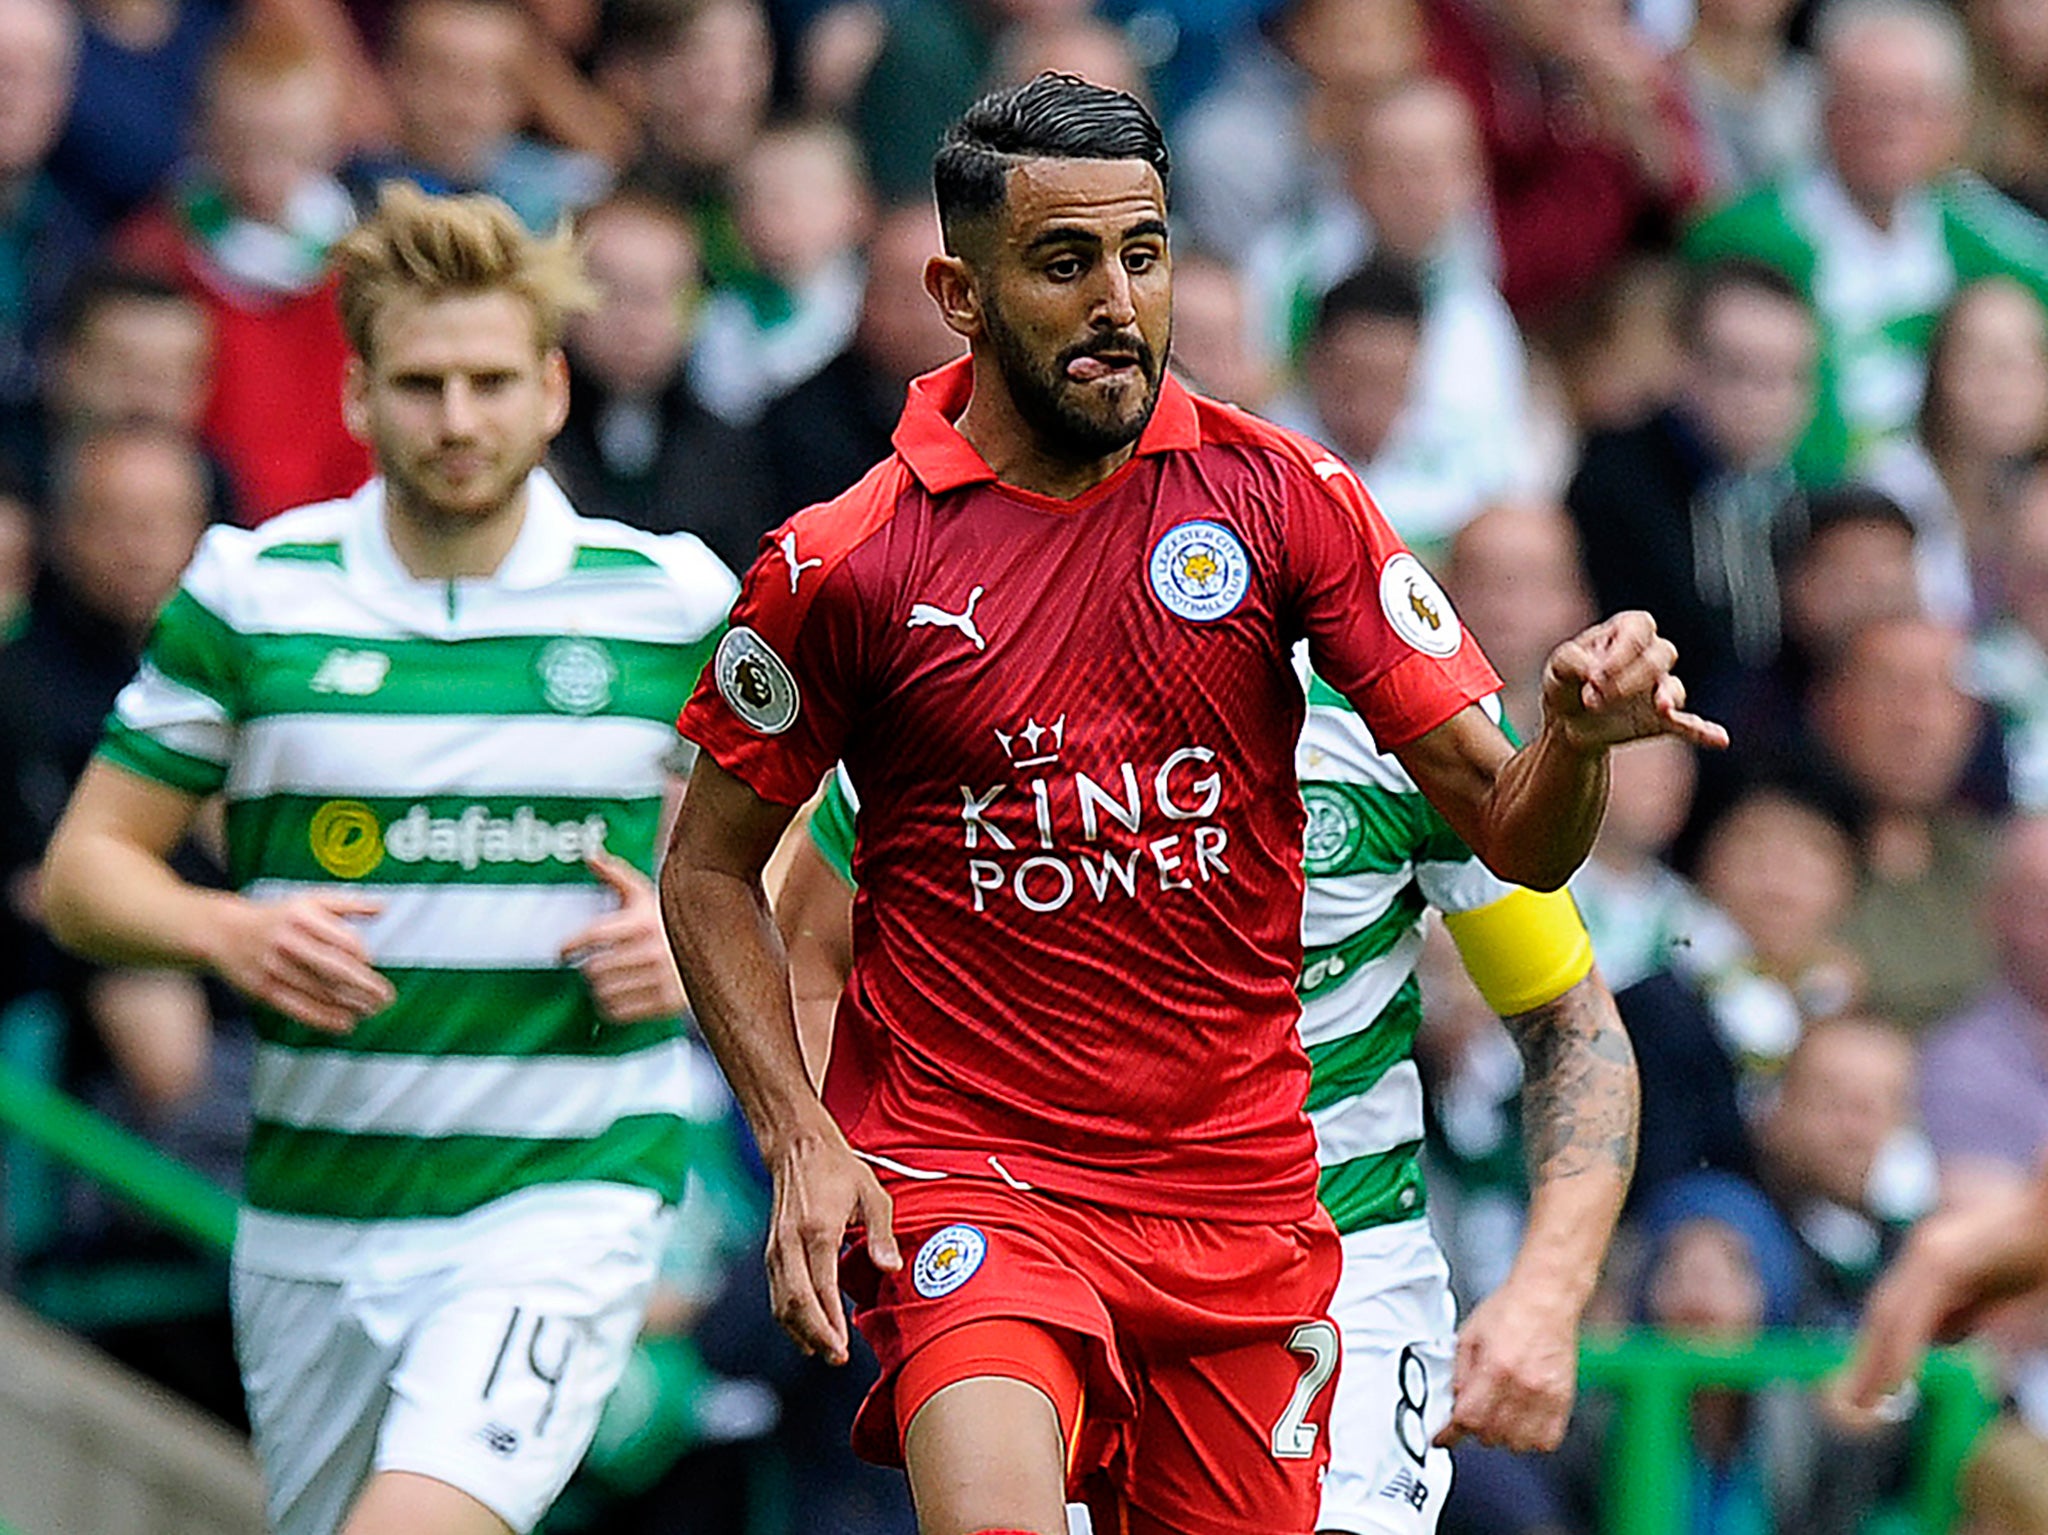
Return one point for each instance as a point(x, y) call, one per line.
point(943, 460)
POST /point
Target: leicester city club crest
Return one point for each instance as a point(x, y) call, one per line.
point(948, 1260)
point(1200, 570)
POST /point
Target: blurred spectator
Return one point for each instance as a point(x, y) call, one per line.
point(2012, 116)
point(129, 506)
point(1617, 351)
point(1684, 515)
point(1215, 349)
point(44, 236)
point(1842, 1155)
point(802, 208)
point(128, 349)
point(1854, 565)
point(1720, 1265)
point(1361, 377)
point(1892, 719)
point(246, 232)
point(1643, 915)
point(2009, 662)
point(923, 62)
point(1718, 1262)
point(1983, 412)
point(1880, 235)
point(1081, 45)
point(1589, 144)
point(1514, 574)
point(1244, 152)
point(1414, 189)
point(695, 76)
point(1984, 1072)
point(638, 445)
point(565, 105)
point(139, 73)
point(1757, 102)
point(835, 426)
point(1783, 870)
point(456, 71)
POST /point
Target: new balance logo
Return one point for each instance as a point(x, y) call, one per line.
point(1407, 1487)
point(923, 613)
point(787, 544)
point(355, 673)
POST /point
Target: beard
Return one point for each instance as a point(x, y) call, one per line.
point(426, 498)
point(1069, 423)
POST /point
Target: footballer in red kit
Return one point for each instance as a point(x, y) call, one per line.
point(1071, 728)
point(1050, 639)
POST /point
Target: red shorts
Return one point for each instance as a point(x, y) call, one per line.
point(1207, 1346)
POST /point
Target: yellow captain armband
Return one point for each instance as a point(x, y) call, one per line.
point(1524, 949)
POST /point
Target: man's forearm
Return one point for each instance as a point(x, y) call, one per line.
point(1579, 1110)
point(1544, 811)
point(120, 904)
point(738, 981)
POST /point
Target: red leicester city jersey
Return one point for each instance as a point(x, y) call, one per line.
point(1071, 726)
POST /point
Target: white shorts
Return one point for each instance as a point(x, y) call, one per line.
point(1399, 1324)
point(487, 1372)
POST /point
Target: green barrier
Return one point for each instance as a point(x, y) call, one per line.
point(1654, 1377)
point(182, 1199)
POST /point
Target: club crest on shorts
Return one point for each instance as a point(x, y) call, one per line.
point(1417, 607)
point(753, 681)
point(948, 1260)
point(1200, 570)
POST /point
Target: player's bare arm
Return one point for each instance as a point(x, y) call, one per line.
point(1957, 1264)
point(111, 895)
point(738, 978)
point(1531, 814)
point(1518, 1351)
point(814, 914)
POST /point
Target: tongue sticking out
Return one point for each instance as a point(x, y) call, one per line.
point(1087, 369)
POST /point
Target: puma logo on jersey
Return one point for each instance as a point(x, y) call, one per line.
point(1329, 469)
point(796, 566)
point(356, 673)
point(923, 613)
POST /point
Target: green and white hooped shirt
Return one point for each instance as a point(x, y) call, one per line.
point(453, 750)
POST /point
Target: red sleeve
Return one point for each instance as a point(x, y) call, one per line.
point(774, 705)
point(1380, 630)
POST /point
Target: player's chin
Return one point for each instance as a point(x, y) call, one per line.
point(1113, 411)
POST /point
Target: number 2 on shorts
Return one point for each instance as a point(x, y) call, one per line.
point(1294, 1437)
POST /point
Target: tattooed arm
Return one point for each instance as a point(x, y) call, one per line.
point(1518, 1351)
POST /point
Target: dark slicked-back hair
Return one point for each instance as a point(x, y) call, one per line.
point(1054, 117)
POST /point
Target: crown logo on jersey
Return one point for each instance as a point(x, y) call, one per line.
point(1030, 739)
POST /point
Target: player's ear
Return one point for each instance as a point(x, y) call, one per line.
point(951, 285)
point(355, 398)
point(554, 383)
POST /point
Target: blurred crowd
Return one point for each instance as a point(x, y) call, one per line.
point(1728, 309)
